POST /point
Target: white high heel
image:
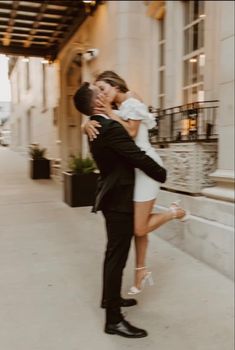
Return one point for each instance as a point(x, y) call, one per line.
point(147, 278)
point(176, 205)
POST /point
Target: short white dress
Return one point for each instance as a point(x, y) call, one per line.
point(146, 188)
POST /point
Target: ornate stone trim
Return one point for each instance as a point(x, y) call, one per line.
point(189, 166)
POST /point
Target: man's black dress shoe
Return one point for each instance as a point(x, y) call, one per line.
point(123, 303)
point(125, 329)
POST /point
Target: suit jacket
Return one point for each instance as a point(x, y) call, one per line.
point(116, 156)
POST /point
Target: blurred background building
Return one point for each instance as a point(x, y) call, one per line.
point(177, 55)
point(5, 132)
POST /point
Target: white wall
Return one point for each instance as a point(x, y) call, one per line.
point(26, 102)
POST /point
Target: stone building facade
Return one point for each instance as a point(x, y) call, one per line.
point(172, 53)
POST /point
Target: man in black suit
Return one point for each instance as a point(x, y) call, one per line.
point(116, 156)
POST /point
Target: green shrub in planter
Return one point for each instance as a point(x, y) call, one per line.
point(80, 182)
point(36, 152)
point(39, 165)
point(80, 165)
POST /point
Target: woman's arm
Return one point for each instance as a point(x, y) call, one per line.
point(131, 126)
point(90, 128)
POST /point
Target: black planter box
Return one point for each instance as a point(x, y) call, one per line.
point(79, 189)
point(40, 168)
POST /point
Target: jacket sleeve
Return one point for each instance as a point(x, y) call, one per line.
point(117, 139)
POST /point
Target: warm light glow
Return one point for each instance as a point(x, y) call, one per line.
point(25, 59)
point(184, 127)
point(6, 41)
point(193, 60)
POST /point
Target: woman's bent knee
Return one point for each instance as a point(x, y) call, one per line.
point(140, 231)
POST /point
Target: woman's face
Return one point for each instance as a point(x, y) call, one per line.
point(109, 91)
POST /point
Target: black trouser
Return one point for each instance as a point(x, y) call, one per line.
point(120, 229)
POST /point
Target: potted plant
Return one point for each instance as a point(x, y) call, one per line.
point(80, 182)
point(39, 165)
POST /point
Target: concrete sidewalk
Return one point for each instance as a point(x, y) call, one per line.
point(50, 279)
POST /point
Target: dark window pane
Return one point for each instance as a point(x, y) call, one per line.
point(194, 94)
point(161, 83)
point(195, 37)
point(161, 102)
point(185, 96)
point(187, 41)
point(201, 34)
point(161, 55)
point(186, 12)
point(186, 73)
point(194, 69)
point(195, 10)
point(162, 29)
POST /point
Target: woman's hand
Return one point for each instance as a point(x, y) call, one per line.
point(91, 129)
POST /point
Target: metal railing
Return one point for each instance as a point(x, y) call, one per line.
point(195, 121)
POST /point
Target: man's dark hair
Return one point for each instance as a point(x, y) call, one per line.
point(83, 99)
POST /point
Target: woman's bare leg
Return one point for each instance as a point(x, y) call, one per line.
point(141, 242)
point(146, 222)
point(141, 245)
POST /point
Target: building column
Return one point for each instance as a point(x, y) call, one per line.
point(174, 53)
point(212, 50)
point(133, 47)
point(224, 175)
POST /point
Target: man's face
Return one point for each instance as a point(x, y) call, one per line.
point(96, 95)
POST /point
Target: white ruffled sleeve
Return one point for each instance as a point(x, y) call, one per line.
point(136, 110)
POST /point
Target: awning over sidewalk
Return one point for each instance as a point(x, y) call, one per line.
point(40, 27)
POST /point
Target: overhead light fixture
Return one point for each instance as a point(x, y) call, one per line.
point(193, 60)
point(89, 2)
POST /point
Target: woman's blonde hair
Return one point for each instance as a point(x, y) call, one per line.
point(113, 79)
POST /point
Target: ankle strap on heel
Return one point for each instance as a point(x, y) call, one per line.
point(141, 268)
point(173, 211)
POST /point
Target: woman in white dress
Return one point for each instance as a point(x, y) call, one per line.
point(133, 114)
